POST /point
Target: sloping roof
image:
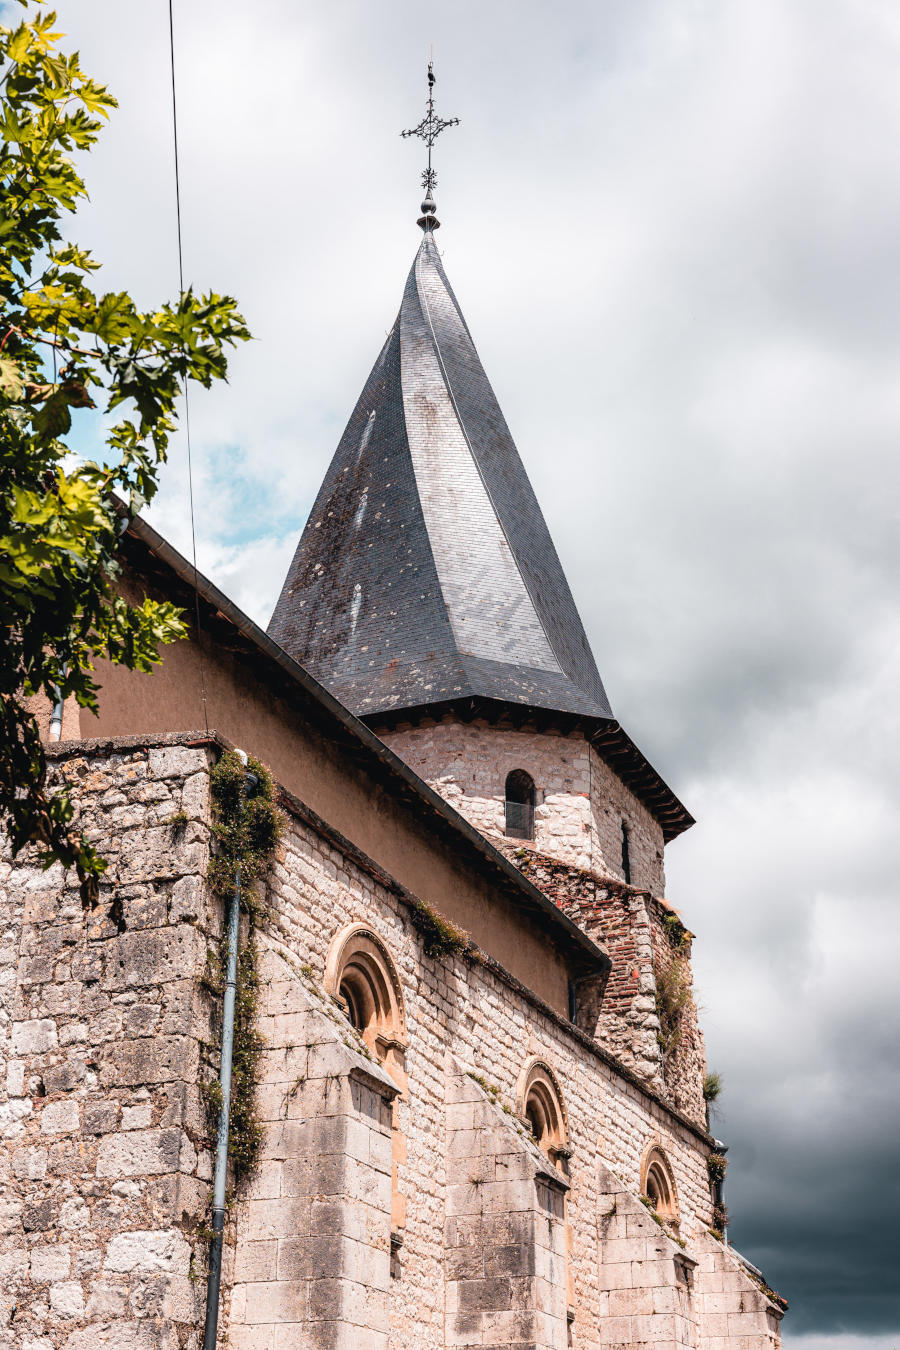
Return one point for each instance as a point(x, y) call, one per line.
point(426, 571)
point(143, 549)
point(426, 577)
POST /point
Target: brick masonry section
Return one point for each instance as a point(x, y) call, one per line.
point(642, 936)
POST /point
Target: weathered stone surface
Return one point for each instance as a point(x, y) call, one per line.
point(139, 1153)
point(145, 1250)
point(108, 1146)
point(34, 1037)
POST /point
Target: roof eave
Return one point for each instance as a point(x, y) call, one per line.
point(608, 737)
point(581, 951)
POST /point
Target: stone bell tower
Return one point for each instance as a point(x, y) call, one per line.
point(426, 593)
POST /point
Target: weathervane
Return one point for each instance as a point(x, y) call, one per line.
point(428, 131)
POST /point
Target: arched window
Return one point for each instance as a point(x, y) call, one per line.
point(541, 1105)
point(658, 1184)
point(360, 973)
point(519, 805)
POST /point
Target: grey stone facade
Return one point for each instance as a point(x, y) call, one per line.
point(399, 1205)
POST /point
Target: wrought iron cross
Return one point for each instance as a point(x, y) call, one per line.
point(428, 131)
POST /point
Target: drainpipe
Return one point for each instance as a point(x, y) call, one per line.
point(214, 1278)
point(57, 715)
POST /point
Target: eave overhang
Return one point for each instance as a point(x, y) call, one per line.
point(608, 738)
point(141, 543)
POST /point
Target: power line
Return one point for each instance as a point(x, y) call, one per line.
point(184, 386)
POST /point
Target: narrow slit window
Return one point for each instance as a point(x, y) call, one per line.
point(519, 805)
point(626, 854)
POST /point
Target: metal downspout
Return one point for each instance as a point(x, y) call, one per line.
point(56, 717)
point(214, 1278)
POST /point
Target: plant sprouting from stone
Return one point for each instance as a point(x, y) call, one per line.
point(676, 932)
point(246, 828)
point(66, 352)
point(712, 1087)
point(719, 1220)
point(439, 936)
point(673, 992)
point(716, 1167)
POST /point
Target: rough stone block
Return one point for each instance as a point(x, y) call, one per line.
point(34, 1037)
point(50, 1263)
point(176, 761)
point(67, 1299)
point(139, 1153)
point(148, 1251)
point(59, 1117)
point(157, 1059)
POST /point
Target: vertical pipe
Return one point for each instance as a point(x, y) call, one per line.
point(218, 1207)
point(56, 716)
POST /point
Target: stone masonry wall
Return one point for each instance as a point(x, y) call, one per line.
point(313, 1232)
point(684, 1067)
point(105, 1167)
point(505, 1230)
point(648, 1278)
point(103, 1170)
point(317, 887)
point(581, 802)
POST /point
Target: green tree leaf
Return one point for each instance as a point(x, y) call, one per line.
point(60, 524)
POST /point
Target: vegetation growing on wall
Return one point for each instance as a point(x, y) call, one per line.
point(676, 933)
point(719, 1220)
point(712, 1086)
point(716, 1166)
point(247, 829)
point(440, 937)
point(673, 992)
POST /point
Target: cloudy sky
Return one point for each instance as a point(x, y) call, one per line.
point(674, 228)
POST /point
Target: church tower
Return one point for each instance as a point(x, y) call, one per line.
point(427, 595)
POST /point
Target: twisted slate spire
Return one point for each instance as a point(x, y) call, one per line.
point(426, 572)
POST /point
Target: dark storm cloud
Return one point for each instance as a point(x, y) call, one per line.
point(675, 232)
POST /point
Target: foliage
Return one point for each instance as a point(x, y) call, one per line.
point(719, 1220)
point(716, 1167)
point(673, 992)
point(247, 829)
point(245, 1130)
point(676, 932)
point(657, 1218)
point(712, 1086)
point(440, 937)
point(66, 349)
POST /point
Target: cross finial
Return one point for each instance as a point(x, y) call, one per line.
point(428, 131)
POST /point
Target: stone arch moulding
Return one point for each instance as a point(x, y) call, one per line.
point(359, 971)
point(658, 1183)
point(539, 1101)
